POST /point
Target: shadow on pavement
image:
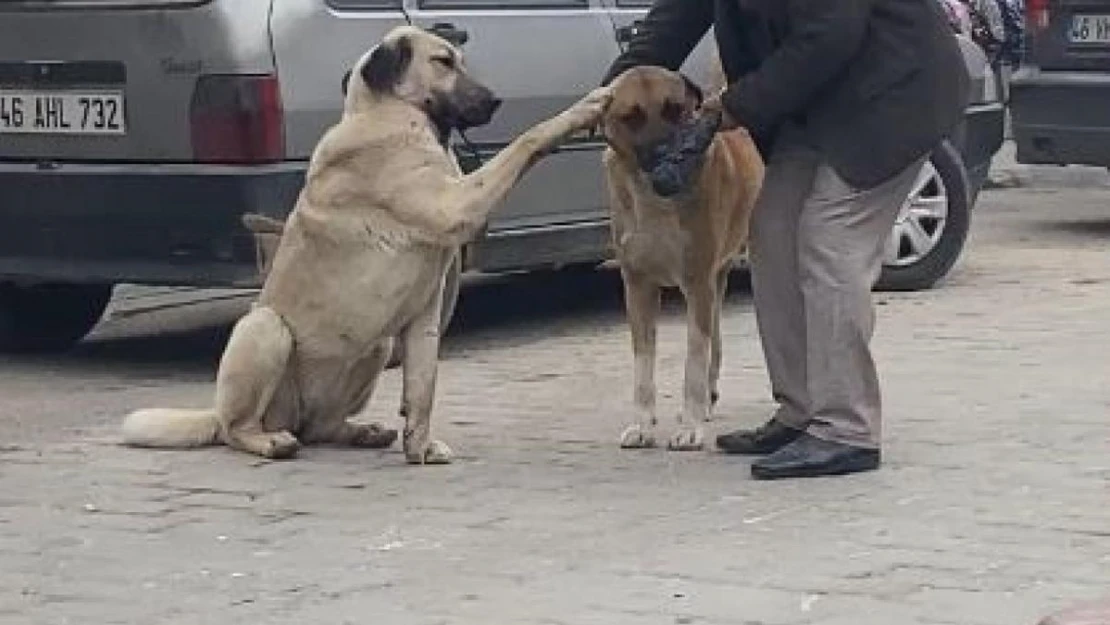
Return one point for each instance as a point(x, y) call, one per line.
point(1097, 229)
point(516, 309)
point(492, 312)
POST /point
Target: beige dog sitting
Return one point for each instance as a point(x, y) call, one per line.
point(688, 240)
point(362, 259)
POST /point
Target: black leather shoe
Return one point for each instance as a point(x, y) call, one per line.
point(766, 439)
point(810, 456)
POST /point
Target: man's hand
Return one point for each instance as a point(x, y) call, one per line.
point(714, 106)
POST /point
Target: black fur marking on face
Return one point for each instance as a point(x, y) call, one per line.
point(634, 119)
point(671, 111)
point(438, 110)
point(673, 165)
point(387, 65)
point(346, 80)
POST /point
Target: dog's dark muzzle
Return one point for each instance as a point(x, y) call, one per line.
point(650, 155)
point(478, 106)
point(673, 163)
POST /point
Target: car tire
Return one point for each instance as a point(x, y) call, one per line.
point(451, 286)
point(49, 318)
point(932, 227)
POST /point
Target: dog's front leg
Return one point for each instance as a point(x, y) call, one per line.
point(419, 369)
point(715, 358)
point(474, 196)
point(701, 298)
point(641, 300)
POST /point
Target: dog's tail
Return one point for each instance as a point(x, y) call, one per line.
point(171, 428)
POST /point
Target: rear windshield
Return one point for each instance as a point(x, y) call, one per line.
point(46, 5)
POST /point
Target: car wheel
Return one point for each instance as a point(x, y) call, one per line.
point(931, 227)
point(452, 282)
point(45, 318)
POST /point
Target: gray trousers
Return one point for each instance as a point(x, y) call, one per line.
point(816, 250)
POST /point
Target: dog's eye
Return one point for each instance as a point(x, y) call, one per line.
point(446, 61)
point(671, 111)
point(634, 118)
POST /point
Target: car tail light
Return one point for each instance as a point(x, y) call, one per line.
point(1037, 14)
point(237, 119)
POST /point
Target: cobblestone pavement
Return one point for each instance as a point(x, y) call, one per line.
point(991, 509)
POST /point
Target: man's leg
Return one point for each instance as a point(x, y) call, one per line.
point(776, 288)
point(840, 241)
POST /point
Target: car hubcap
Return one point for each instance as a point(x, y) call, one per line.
point(920, 222)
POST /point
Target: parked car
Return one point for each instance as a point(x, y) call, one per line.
point(1060, 96)
point(134, 134)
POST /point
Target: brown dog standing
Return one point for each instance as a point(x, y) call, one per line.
point(688, 240)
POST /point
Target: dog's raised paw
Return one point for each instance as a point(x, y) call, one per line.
point(687, 439)
point(636, 437)
point(437, 452)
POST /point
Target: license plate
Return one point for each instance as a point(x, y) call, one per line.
point(1090, 29)
point(61, 112)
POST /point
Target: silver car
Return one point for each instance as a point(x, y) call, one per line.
point(135, 133)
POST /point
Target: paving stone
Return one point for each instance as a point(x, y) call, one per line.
point(990, 509)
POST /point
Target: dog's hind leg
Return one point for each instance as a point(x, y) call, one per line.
point(701, 298)
point(252, 367)
point(419, 372)
point(641, 300)
point(338, 430)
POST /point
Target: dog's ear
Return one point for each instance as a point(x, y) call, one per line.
point(387, 65)
point(694, 93)
point(344, 82)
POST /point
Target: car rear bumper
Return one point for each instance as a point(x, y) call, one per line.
point(979, 139)
point(1061, 118)
point(164, 224)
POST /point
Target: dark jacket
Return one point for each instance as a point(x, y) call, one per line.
point(875, 83)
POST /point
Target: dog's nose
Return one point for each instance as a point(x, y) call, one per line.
point(649, 155)
point(494, 104)
point(682, 156)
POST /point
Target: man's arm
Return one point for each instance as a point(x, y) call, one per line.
point(666, 36)
point(825, 36)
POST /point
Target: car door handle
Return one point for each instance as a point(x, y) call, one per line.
point(626, 33)
point(455, 35)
